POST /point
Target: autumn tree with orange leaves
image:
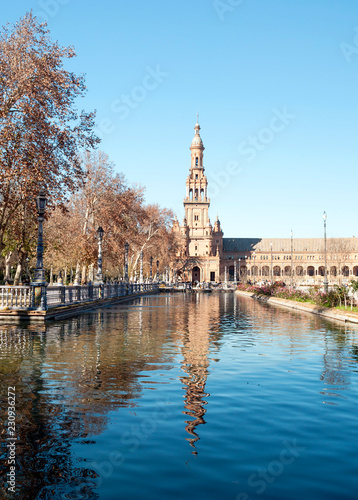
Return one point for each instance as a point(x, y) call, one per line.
point(42, 134)
point(107, 200)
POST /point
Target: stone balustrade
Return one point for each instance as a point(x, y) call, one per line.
point(36, 297)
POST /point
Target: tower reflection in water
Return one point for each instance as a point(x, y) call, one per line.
point(199, 325)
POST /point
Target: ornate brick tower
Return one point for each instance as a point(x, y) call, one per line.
point(198, 248)
point(196, 202)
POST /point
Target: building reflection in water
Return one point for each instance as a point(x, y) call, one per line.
point(198, 322)
point(69, 375)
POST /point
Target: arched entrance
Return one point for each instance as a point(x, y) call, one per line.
point(299, 271)
point(231, 273)
point(265, 271)
point(345, 271)
point(196, 274)
point(310, 271)
point(277, 271)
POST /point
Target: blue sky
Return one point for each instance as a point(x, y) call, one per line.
point(275, 83)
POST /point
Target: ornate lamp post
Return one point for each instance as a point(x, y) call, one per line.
point(235, 272)
point(271, 264)
point(157, 271)
point(291, 258)
point(254, 256)
point(40, 281)
point(41, 202)
point(99, 275)
point(141, 268)
point(151, 269)
point(126, 248)
point(325, 283)
point(239, 269)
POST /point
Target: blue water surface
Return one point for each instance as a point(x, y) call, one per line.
point(183, 396)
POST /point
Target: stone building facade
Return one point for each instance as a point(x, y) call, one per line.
point(205, 255)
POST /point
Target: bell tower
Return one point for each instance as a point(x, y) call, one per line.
point(196, 202)
point(200, 250)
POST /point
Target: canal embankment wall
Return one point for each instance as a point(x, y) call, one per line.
point(325, 312)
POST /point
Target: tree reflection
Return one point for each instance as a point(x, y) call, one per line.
point(68, 377)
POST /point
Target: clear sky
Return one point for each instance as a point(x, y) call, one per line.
point(276, 86)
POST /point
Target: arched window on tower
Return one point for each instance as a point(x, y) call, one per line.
point(202, 194)
point(196, 161)
point(191, 194)
point(196, 194)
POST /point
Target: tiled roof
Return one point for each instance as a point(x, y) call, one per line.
point(284, 244)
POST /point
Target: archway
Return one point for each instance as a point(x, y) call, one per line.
point(310, 271)
point(231, 273)
point(265, 271)
point(242, 274)
point(196, 274)
point(299, 271)
point(277, 271)
point(345, 271)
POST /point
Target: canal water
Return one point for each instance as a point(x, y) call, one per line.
point(183, 396)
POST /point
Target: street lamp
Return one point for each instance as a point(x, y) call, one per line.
point(157, 271)
point(41, 202)
point(325, 283)
point(254, 256)
point(291, 258)
point(271, 264)
point(40, 281)
point(239, 269)
point(126, 248)
point(235, 272)
point(99, 275)
point(151, 269)
point(141, 268)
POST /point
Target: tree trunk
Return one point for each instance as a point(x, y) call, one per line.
point(91, 273)
point(18, 274)
point(83, 281)
point(20, 267)
point(7, 277)
point(78, 275)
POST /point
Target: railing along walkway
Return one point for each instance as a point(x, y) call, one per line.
point(16, 297)
point(32, 297)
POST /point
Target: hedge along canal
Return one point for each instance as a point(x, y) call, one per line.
point(325, 312)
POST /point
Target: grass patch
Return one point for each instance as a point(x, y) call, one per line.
point(347, 309)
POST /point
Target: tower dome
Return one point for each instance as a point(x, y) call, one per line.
point(197, 149)
point(197, 141)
